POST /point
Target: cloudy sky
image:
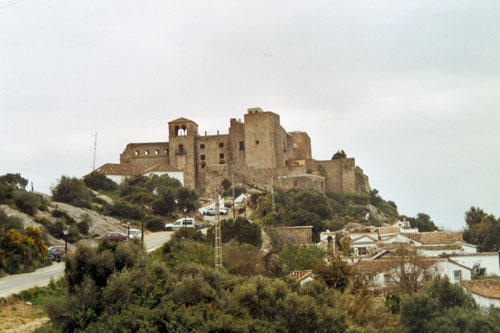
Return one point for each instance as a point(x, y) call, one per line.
point(411, 89)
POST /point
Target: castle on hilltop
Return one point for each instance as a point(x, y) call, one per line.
point(257, 152)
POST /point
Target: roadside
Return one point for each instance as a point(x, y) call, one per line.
point(13, 284)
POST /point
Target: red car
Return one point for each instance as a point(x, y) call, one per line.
point(57, 252)
point(114, 237)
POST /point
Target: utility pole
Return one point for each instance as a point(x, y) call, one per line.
point(218, 237)
point(272, 192)
point(95, 151)
point(232, 182)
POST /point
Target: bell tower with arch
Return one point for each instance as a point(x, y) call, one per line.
point(182, 135)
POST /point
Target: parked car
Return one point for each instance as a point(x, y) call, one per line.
point(213, 211)
point(135, 233)
point(113, 237)
point(187, 222)
point(57, 252)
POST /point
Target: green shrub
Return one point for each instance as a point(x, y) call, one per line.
point(97, 181)
point(27, 202)
point(72, 191)
point(124, 210)
point(154, 223)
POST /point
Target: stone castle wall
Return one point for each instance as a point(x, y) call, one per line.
point(258, 152)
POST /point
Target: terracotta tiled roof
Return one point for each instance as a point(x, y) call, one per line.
point(478, 254)
point(118, 169)
point(160, 167)
point(458, 264)
point(363, 236)
point(487, 288)
point(381, 265)
point(436, 237)
point(301, 275)
point(388, 230)
point(181, 120)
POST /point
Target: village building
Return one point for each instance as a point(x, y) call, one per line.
point(486, 292)
point(257, 152)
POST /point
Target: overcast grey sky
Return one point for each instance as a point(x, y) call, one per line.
point(411, 89)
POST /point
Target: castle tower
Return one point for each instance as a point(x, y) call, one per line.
point(182, 134)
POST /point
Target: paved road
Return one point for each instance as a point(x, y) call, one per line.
point(14, 284)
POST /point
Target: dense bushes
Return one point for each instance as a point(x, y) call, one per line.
point(72, 191)
point(239, 229)
point(118, 289)
point(97, 181)
point(21, 250)
point(446, 307)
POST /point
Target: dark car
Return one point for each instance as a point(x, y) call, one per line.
point(113, 237)
point(57, 252)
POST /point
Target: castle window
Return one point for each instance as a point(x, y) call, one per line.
point(181, 148)
point(166, 152)
point(256, 142)
point(177, 130)
point(202, 146)
point(157, 152)
point(221, 144)
point(136, 153)
point(146, 152)
point(203, 165)
point(295, 183)
point(221, 156)
point(202, 157)
point(242, 145)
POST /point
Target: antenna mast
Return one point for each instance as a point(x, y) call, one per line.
point(218, 245)
point(95, 151)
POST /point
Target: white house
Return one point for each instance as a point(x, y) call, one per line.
point(485, 292)
point(118, 172)
point(481, 263)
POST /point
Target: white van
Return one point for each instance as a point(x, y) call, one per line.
point(187, 222)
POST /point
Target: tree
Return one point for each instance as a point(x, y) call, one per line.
point(408, 271)
point(14, 180)
point(98, 181)
point(482, 229)
point(339, 155)
point(336, 273)
point(241, 259)
point(72, 191)
point(301, 256)
point(239, 229)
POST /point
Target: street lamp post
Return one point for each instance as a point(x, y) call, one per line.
point(184, 221)
point(66, 232)
point(245, 206)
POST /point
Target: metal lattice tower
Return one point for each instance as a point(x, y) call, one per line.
point(218, 242)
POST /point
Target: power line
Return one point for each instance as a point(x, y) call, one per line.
point(10, 4)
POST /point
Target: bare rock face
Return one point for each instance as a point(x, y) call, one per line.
point(99, 224)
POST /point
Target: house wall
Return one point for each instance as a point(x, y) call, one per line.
point(117, 178)
point(489, 261)
point(486, 302)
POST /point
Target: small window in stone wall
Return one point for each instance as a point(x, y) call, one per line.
point(295, 183)
point(256, 142)
point(146, 152)
point(202, 146)
point(221, 156)
point(157, 152)
point(202, 157)
point(181, 148)
point(166, 151)
point(136, 153)
point(203, 164)
point(242, 146)
point(221, 144)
